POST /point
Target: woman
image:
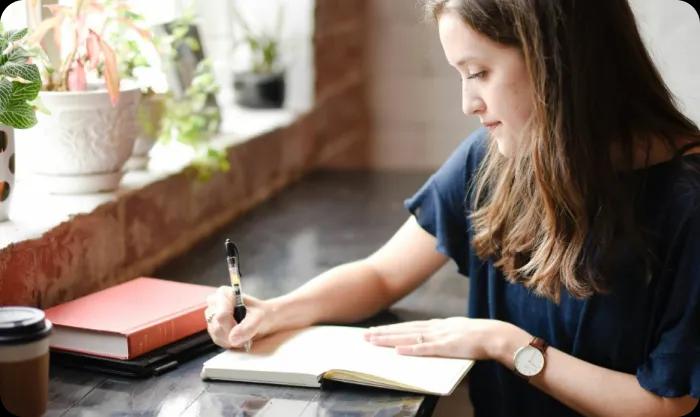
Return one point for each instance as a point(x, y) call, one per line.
point(574, 213)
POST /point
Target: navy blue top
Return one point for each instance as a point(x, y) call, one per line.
point(648, 328)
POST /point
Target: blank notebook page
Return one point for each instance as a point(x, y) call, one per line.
point(319, 349)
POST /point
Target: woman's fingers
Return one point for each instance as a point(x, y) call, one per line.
point(224, 297)
point(408, 333)
point(419, 338)
point(408, 328)
point(451, 337)
point(398, 339)
point(416, 344)
point(221, 325)
point(246, 329)
point(219, 315)
point(422, 349)
point(215, 329)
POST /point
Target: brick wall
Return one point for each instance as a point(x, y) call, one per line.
point(341, 109)
point(143, 228)
point(414, 95)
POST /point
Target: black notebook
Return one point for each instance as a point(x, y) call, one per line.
point(154, 363)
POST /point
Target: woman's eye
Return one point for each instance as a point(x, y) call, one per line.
point(476, 75)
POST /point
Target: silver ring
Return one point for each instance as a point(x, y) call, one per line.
point(209, 317)
point(420, 339)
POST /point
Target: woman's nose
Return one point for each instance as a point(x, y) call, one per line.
point(472, 105)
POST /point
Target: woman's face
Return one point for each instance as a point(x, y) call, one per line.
point(495, 85)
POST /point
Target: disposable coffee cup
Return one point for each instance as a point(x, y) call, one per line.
point(24, 361)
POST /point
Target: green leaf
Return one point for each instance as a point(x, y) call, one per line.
point(15, 110)
point(25, 92)
point(28, 72)
point(15, 35)
point(19, 116)
point(22, 91)
point(180, 32)
point(5, 93)
point(192, 43)
point(140, 61)
point(128, 14)
point(19, 55)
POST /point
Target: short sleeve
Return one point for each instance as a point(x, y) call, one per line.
point(439, 205)
point(672, 368)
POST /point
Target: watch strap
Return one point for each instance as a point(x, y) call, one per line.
point(539, 344)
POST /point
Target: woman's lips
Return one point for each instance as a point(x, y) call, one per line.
point(492, 126)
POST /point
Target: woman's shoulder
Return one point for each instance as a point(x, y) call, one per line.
point(672, 194)
point(679, 175)
point(682, 181)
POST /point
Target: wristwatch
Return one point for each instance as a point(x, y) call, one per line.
point(529, 360)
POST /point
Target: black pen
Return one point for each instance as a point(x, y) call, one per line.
point(234, 272)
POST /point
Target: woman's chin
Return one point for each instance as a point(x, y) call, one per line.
point(504, 146)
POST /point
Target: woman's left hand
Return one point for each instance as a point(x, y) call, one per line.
point(455, 337)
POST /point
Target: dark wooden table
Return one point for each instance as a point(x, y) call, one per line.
point(326, 219)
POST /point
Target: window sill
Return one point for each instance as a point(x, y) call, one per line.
point(34, 212)
point(57, 248)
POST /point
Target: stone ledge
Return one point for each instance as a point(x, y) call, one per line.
point(140, 227)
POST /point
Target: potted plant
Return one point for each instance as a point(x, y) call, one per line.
point(149, 119)
point(263, 84)
point(19, 86)
point(139, 59)
point(89, 134)
point(190, 113)
point(192, 119)
point(182, 111)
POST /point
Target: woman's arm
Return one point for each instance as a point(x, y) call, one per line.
point(590, 389)
point(357, 290)
point(587, 388)
point(346, 293)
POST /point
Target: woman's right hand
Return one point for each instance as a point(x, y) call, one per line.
point(222, 327)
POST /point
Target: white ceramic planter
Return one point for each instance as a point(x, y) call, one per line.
point(7, 169)
point(150, 115)
point(81, 147)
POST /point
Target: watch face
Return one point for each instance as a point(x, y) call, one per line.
point(529, 361)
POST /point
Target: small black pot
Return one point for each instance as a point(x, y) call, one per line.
point(259, 91)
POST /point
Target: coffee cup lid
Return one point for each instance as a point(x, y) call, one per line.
point(22, 324)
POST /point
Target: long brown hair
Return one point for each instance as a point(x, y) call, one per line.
point(552, 216)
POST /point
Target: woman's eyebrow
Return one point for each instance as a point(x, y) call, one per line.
point(465, 60)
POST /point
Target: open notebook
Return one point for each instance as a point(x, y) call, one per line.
point(306, 356)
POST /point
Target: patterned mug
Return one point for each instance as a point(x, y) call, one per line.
point(7, 169)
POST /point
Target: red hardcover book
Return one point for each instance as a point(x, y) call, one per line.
point(129, 319)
